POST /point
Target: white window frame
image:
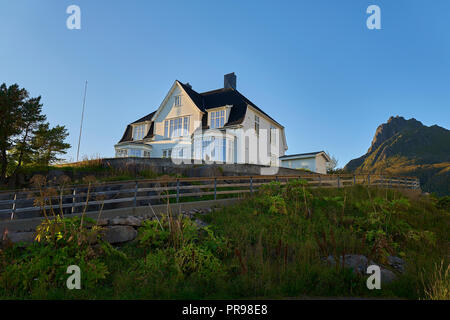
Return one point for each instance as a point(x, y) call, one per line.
point(177, 127)
point(218, 118)
point(139, 132)
point(178, 101)
point(257, 123)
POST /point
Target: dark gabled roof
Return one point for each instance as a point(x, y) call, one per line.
point(204, 101)
point(221, 97)
point(194, 95)
point(302, 154)
point(128, 134)
point(146, 118)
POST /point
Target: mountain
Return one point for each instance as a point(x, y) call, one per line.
point(407, 147)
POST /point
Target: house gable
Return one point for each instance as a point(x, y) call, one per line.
point(177, 103)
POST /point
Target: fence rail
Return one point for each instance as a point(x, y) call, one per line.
point(70, 199)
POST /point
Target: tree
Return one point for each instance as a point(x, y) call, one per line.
point(31, 119)
point(48, 143)
point(332, 164)
point(12, 99)
point(25, 137)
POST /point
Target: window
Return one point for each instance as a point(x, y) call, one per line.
point(139, 132)
point(186, 126)
point(121, 153)
point(167, 153)
point(218, 119)
point(166, 128)
point(146, 154)
point(177, 101)
point(134, 153)
point(176, 127)
point(271, 134)
point(257, 124)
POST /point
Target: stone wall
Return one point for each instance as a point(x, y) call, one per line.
point(166, 166)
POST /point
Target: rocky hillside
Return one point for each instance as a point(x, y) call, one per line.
point(407, 147)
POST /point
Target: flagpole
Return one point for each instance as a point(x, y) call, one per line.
point(82, 117)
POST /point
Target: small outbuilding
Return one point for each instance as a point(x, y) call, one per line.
point(312, 161)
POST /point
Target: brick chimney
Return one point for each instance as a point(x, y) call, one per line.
point(229, 81)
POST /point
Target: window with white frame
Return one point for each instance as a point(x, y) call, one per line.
point(177, 127)
point(146, 154)
point(167, 153)
point(218, 119)
point(134, 153)
point(121, 153)
point(272, 134)
point(139, 132)
point(257, 124)
point(177, 101)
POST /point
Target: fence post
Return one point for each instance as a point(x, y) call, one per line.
point(178, 190)
point(135, 193)
point(74, 193)
point(368, 179)
point(215, 188)
point(251, 184)
point(320, 180)
point(354, 179)
point(276, 178)
point(13, 211)
point(339, 182)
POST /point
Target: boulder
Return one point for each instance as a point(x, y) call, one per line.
point(359, 264)
point(200, 223)
point(126, 221)
point(119, 234)
point(103, 222)
point(397, 263)
point(387, 276)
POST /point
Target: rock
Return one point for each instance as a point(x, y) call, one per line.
point(200, 223)
point(357, 262)
point(17, 237)
point(103, 222)
point(119, 234)
point(397, 263)
point(387, 276)
point(126, 221)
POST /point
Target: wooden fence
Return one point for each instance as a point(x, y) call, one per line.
point(76, 198)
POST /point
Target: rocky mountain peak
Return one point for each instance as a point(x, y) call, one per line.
point(393, 126)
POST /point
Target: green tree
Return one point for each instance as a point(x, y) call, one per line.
point(12, 99)
point(31, 119)
point(48, 142)
point(25, 137)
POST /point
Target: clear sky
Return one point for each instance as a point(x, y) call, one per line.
point(311, 64)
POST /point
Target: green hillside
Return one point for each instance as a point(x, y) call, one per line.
point(283, 242)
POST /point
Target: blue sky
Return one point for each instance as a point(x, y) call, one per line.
point(312, 65)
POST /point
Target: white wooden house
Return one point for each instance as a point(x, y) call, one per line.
point(217, 126)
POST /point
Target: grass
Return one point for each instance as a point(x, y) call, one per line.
point(271, 245)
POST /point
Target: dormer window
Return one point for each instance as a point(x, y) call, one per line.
point(218, 119)
point(139, 132)
point(177, 101)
